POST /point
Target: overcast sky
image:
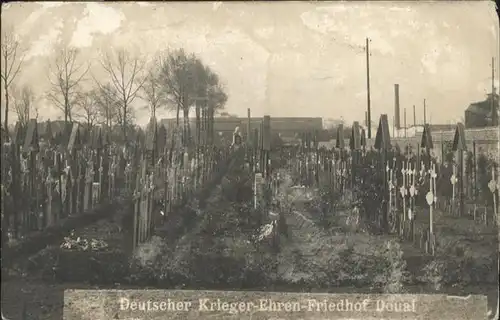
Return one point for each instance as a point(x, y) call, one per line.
point(287, 58)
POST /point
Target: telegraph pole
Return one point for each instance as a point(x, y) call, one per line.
point(368, 88)
point(425, 118)
point(405, 122)
point(494, 115)
point(393, 126)
point(414, 117)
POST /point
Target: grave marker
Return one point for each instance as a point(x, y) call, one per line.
point(460, 146)
point(426, 141)
point(383, 144)
point(49, 133)
point(31, 143)
point(340, 142)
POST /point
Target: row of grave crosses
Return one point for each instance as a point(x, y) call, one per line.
point(408, 190)
point(402, 217)
point(35, 163)
point(337, 161)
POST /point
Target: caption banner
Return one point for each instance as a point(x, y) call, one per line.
point(180, 304)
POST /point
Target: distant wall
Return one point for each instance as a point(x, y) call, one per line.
point(278, 124)
point(486, 141)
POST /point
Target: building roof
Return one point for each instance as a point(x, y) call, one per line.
point(479, 108)
point(482, 107)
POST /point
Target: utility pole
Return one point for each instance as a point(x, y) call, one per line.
point(425, 117)
point(396, 107)
point(414, 117)
point(494, 115)
point(368, 88)
point(404, 110)
point(248, 127)
point(393, 126)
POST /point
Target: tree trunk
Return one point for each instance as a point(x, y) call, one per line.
point(6, 118)
point(177, 116)
point(66, 109)
point(198, 124)
point(124, 124)
point(187, 131)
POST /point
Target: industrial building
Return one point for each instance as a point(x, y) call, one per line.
point(479, 114)
point(283, 126)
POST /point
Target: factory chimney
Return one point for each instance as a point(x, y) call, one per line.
point(397, 120)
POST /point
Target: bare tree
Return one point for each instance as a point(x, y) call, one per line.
point(182, 76)
point(125, 74)
point(65, 77)
point(87, 111)
point(11, 61)
point(24, 104)
point(152, 91)
point(107, 106)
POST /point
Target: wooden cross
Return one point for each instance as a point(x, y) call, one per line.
point(403, 190)
point(422, 169)
point(492, 185)
point(49, 182)
point(413, 192)
point(430, 197)
point(453, 181)
point(433, 176)
point(391, 186)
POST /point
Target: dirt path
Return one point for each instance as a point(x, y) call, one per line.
point(310, 249)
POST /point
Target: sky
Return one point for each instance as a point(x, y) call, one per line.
point(287, 58)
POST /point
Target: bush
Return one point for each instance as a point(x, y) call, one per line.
point(370, 198)
point(485, 166)
point(455, 265)
point(216, 252)
point(381, 267)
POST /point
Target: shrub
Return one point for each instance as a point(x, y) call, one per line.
point(454, 264)
point(484, 169)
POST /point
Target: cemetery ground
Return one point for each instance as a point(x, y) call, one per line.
point(212, 244)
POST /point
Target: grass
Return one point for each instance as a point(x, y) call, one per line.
point(218, 252)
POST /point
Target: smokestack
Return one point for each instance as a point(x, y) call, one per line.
point(248, 127)
point(397, 119)
point(414, 117)
point(425, 113)
point(405, 121)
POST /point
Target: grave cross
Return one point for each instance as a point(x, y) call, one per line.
point(433, 176)
point(391, 186)
point(413, 192)
point(493, 188)
point(453, 181)
point(431, 198)
point(422, 169)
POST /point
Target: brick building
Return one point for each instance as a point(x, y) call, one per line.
point(479, 114)
point(286, 127)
